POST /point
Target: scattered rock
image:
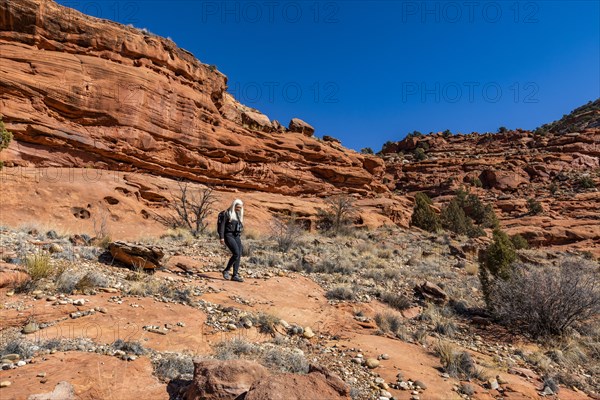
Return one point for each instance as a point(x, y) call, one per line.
point(4, 384)
point(299, 126)
point(55, 248)
point(431, 291)
point(308, 333)
point(30, 328)
point(135, 255)
point(372, 363)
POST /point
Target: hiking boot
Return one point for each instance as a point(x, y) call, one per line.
point(237, 278)
point(226, 275)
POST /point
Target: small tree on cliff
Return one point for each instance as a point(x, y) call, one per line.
point(424, 216)
point(5, 137)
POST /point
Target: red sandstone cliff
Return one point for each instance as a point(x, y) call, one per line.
point(79, 91)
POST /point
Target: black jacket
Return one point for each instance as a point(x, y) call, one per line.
point(229, 226)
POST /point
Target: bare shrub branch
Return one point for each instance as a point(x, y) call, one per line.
point(189, 209)
point(547, 301)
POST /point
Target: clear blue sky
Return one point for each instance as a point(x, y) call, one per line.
point(371, 71)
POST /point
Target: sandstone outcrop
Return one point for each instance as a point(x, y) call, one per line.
point(557, 166)
point(299, 126)
point(136, 256)
point(82, 91)
point(223, 380)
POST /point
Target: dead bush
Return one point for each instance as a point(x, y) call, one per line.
point(547, 301)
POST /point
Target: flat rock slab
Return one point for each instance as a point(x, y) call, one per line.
point(135, 255)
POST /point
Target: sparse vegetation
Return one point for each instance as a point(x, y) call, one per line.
point(189, 209)
point(398, 301)
point(519, 242)
point(38, 265)
point(286, 232)
point(586, 182)
point(366, 150)
point(458, 364)
point(338, 215)
point(173, 365)
point(5, 138)
point(420, 154)
point(547, 301)
point(424, 216)
point(497, 262)
point(534, 207)
point(340, 292)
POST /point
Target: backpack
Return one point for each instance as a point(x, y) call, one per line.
point(220, 220)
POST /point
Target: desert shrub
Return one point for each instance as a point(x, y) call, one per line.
point(586, 182)
point(502, 129)
point(553, 187)
point(67, 281)
point(398, 301)
point(366, 150)
point(172, 366)
point(38, 265)
point(340, 293)
point(420, 154)
point(388, 322)
point(547, 301)
point(234, 349)
point(476, 182)
point(286, 232)
point(340, 265)
point(458, 364)
point(424, 216)
point(534, 207)
point(285, 360)
point(5, 137)
point(338, 215)
point(496, 262)
point(130, 347)
point(454, 218)
point(519, 242)
point(266, 323)
point(189, 209)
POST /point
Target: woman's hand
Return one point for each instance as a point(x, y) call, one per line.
point(223, 242)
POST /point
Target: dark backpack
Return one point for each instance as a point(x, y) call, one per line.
point(220, 220)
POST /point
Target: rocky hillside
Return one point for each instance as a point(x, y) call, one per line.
point(78, 91)
point(557, 165)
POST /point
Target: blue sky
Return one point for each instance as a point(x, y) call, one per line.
point(371, 71)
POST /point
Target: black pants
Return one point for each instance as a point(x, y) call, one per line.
point(234, 244)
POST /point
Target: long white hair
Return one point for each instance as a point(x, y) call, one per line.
point(233, 214)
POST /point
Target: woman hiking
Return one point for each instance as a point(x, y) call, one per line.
point(230, 231)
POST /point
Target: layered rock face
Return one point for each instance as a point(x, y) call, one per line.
point(558, 167)
point(78, 91)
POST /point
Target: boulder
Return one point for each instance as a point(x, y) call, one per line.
point(317, 384)
point(503, 180)
point(256, 121)
point(299, 126)
point(135, 255)
point(431, 291)
point(223, 380)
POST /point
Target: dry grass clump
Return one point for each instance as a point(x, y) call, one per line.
point(458, 364)
point(398, 301)
point(234, 349)
point(388, 322)
point(38, 265)
point(341, 292)
point(173, 365)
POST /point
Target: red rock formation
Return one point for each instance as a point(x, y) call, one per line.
point(509, 168)
point(79, 91)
